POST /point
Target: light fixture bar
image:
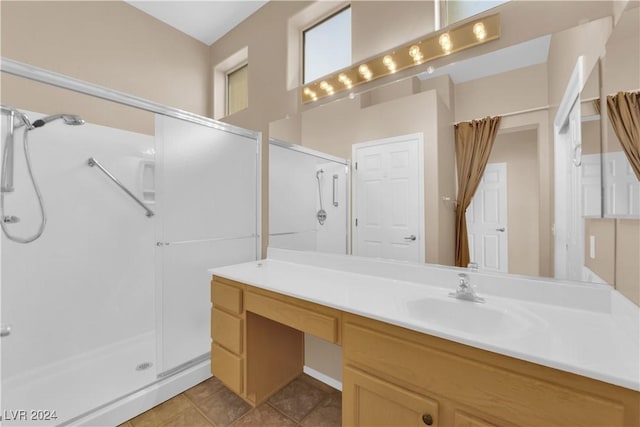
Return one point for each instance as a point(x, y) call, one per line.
point(469, 34)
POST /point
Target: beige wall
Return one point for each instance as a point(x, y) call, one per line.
point(513, 91)
point(627, 255)
point(111, 44)
point(617, 251)
point(519, 150)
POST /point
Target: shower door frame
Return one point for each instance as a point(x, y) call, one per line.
point(42, 75)
point(135, 401)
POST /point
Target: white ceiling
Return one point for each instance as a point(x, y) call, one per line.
point(521, 55)
point(206, 21)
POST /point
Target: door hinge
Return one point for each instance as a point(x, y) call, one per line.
point(356, 222)
point(356, 165)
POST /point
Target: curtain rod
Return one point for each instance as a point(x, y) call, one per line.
point(513, 113)
point(546, 107)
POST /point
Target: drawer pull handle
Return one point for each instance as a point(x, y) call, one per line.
point(427, 419)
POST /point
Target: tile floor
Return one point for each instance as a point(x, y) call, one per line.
point(304, 402)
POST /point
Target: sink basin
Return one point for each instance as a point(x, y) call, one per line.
point(470, 318)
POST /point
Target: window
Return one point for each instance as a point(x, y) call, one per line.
point(231, 84)
point(327, 46)
point(238, 89)
point(457, 10)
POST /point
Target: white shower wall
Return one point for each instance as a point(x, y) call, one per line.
point(294, 202)
point(332, 235)
point(94, 254)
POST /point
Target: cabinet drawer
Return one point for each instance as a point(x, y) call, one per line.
point(302, 319)
point(226, 330)
point(371, 401)
point(227, 367)
point(226, 296)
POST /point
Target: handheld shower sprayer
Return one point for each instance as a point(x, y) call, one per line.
point(69, 119)
point(6, 181)
point(321, 215)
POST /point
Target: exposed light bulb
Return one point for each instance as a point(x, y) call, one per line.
point(311, 94)
point(416, 54)
point(445, 42)
point(342, 78)
point(326, 87)
point(389, 63)
point(479, 31)
point(365, 71)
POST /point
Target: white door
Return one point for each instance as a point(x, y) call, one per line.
point(487, 221)
point(388, 201)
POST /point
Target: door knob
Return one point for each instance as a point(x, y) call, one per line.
point(427, 419)
point(501, 229)
point(412, 237)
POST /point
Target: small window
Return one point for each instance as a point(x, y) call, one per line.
point(457, 10)
point(327, 46)
point(238, 89)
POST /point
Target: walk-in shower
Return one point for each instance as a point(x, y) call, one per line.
point(8, 154)
point(107, 313)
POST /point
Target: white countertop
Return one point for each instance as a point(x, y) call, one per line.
point(590, 330)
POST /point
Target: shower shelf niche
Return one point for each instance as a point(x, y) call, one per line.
point(147, 180)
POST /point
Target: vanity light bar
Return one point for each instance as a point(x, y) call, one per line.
point(472, 33)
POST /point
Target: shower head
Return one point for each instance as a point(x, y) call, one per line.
point(69, 119)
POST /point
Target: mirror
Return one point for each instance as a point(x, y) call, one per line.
point(525, 89)
point(613, 242)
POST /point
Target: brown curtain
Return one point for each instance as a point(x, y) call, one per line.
point(474, 141)
point(624, 115)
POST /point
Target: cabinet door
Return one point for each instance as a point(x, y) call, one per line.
point(370, 402)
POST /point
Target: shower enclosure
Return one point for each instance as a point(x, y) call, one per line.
point(106, 314)
point(308, 199)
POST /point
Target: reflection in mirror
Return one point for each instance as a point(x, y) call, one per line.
point(308, 199)
point(613, 242)
point(523, 84)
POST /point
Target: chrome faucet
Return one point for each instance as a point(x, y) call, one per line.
point(465, 291)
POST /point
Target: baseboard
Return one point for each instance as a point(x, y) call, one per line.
point(332, 382)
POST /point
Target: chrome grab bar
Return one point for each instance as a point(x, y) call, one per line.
point(93, 162)
point(335, 190)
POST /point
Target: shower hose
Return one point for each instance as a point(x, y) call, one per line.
point(27, 157)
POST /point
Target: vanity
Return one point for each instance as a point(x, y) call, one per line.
point(536, 353)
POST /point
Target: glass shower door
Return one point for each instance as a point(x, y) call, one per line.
point(208, 208)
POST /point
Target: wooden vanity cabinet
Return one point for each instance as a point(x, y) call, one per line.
point(393, 376)
point(257, 337)
point(463, 386)
point(227, 334)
